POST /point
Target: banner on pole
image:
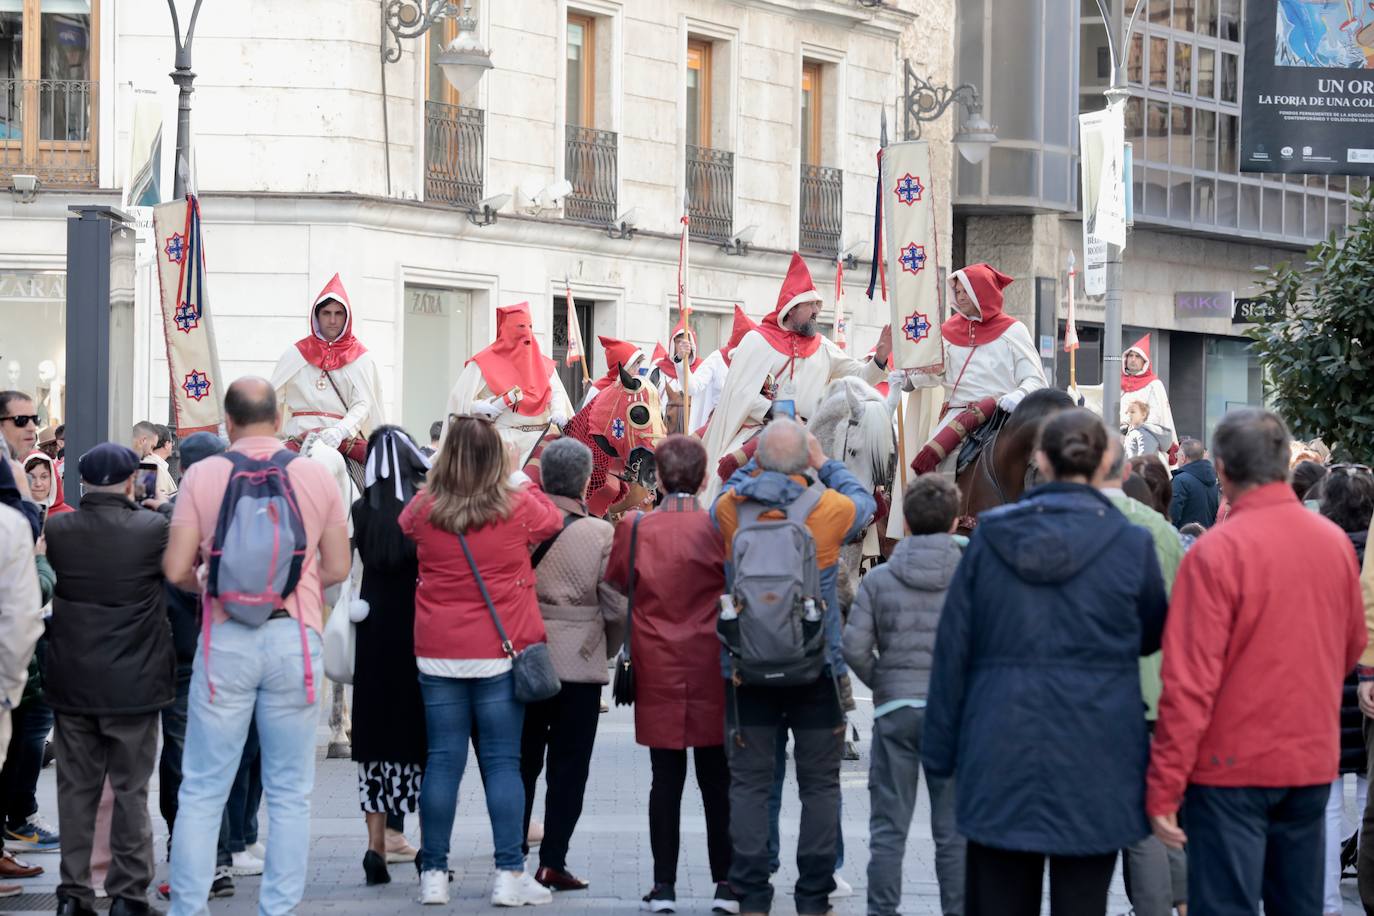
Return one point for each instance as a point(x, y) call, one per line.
point(841, 332)
point(192, 360)
point(574, 331)
point(1102, 140)
point(912, 250)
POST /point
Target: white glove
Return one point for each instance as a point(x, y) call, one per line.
point(896, 379)
point(331, 436)
point(487, 410)
point(558, 420)
point(1009, 402)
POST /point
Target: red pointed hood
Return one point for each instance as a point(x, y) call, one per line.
point(797, 287)
point(663, 358)
point(984, 284)
point(55, 502)
point(618, 353)
point(743, 325)
point(514, 360)
point(344, 349)
point(1130, 382)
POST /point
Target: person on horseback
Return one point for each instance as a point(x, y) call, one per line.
point(990, 363)
point(513, 381)
point(1139, 383)
point(715, 368)
point(619, 354)
point(671, 364)
point(787, 346)
point(329, 383)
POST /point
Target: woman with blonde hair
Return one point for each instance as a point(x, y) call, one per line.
point(476, 500)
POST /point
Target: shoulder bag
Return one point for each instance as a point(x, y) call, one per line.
point(532, 668)
point(623, 686)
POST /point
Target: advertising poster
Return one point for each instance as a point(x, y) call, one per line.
point(1308, 102)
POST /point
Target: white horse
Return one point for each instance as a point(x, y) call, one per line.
point(854, 425)
point(340, 726)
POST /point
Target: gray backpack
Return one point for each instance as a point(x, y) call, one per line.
point(775, 636)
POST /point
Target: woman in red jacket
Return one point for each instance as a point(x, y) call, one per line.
point(680, 693)
point(465, 677)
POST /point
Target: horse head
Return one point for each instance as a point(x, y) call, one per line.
point(1006, 467)
point(854, 425)
point(625, 422)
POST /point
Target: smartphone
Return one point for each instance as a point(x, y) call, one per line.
point(787, 408)
point(145, 482)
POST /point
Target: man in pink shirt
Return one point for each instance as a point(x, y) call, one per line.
point(270, 669)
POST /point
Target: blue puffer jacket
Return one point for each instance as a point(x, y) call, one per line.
point(1035, 695)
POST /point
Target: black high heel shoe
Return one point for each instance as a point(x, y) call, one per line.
point(374, 866)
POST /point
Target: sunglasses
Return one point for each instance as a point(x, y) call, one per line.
point(22, 420)
point(1351, 469)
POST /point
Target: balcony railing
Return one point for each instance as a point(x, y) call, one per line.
point(711, 192)
point(47, 129)
point(453, 153)
point(591, 167)
point(822, 209)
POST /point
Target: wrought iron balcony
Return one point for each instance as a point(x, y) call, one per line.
point(711, 192)
point(591, 168)
point(47, 129)
point(822, 209)
point(453, 153)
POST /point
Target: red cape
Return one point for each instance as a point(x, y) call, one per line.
point(984, 284)
point(344, 349)
point(514, 360)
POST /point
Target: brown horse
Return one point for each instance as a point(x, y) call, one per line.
point(1005, 468)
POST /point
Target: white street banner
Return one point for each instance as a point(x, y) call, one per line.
point(197, 390)
point(1102, 139)
point(911, 251)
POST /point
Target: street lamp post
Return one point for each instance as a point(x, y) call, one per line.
point(183, 76)
point(923, 102)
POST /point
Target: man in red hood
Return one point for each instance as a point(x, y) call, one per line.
point(328, 381)
point(990, 360)
point(1139, 384)
point(513, 383)
point(788, 346)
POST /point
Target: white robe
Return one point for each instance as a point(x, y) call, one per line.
point(741, 408)
point(303, 387)
point(1161, 415)
point(1000, 367)
point(521, 429)
point(708, 381)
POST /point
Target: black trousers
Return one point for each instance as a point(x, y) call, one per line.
point(564, 727)
point(1001, 882)
point(1247, 845)
point(665, 808)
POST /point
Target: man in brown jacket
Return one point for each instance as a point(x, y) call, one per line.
point(569, 567)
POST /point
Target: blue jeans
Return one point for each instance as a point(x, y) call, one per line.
point(453, 708)
point(245, 796)
point(252, 668)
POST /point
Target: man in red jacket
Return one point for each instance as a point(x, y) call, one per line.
point(1265, 624)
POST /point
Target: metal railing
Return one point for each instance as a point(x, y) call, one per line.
point(822, 209)
point(591, 167)
point(453, 153)
point(47, 129)
point(710, 192)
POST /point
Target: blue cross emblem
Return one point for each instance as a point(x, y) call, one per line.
point(176, 248)
point(913, 258)
point(187, 317)
point(618, 428)
point(197, 385)
point(909, 189)
point(916, 327)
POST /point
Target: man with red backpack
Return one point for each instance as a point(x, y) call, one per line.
point(261, 536)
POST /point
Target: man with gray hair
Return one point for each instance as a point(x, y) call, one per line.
point(779, 475)
point(569, 568)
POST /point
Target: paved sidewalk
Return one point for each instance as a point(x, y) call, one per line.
point(610, 848)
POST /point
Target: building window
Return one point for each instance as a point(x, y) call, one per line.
point(48, 79)
point(573, 378)
point(698, 93)
point(581, 63)
point(822, 186)
point(811, 113)
point(454, 133)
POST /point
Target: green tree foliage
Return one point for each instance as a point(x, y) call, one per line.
point(1317, 345)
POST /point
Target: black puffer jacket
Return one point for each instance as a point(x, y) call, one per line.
point(1353, 757)
point(109, 643)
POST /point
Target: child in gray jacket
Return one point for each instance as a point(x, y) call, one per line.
point(889, 642)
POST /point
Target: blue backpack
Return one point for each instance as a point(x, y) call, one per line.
point(259, 546)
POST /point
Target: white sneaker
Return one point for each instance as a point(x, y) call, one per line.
point(517, 888)
point(434, 887)
point(842, 887)
point(258, 850)
point(244, 864)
